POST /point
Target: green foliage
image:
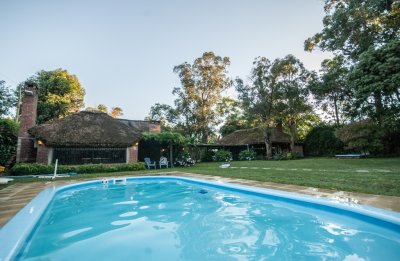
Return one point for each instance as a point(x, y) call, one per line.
point(100, 107)
point(7, 99)
point(20, 169)
point(305, 124)
point(35, 168)
point(201, 85)
point(322, 141)
point(115, 112)
point(165, 137)
point(260, 97)
point(331, 88)
point(60, 94)
point(223, 156)
point(247, 155)
point(233, 116)
point(165, 114)
point(8, 140)
point(353, 26)
point(292, 79)
point(277, 92)
point(279, 155)
point(208, 156)
point(375, 80)
point(363, 136)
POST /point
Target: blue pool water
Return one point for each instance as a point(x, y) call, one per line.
point(172, 219)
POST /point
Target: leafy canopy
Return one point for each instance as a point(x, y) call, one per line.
point(331, 88)
point(201, 86)
point(7, 99)
point(60, 94)
point(351, 27)
point(165, 137)
point(375, 80)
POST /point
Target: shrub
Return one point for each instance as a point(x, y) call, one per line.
point(30, 169)
point(35, 168)
point(247, 155)
point(223, 155)
point(208, 156)
point(279, 156)
point(363, 136)
point(8, 140)
point(322, 141)
point(294, 155)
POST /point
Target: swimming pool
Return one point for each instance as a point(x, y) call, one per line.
point(174, 218)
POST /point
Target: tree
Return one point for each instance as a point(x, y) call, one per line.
point(331, 89)
point(116, 112)
point(233, 116)
point(322, 141)
point(291, 79)
point(375, 80)
point(351, 27)
point(305, 124)
point(363, 136)
point(8, 140)
point(7, 99)
point(165, 114)
point(60, 94)
point(259, 98)
point(201, 85)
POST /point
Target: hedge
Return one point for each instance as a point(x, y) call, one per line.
point(247, 155)
point(223, 155)
point(35, 168)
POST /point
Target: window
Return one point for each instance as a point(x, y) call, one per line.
point(75, 156)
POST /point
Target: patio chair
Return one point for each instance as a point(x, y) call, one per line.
point(149, 163)
point(163, 162)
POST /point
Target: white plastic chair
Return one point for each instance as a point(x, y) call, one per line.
point(163, 162)
point(149, 163)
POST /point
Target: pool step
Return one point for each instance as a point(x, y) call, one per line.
point(114, 181)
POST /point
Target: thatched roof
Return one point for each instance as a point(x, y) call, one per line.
point(139, 126)
point(86, 128)
point(254, 136)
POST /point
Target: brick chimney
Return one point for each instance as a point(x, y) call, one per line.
point(25, 148)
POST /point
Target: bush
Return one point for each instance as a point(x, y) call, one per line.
point(363, 136)
point(247, 155)
point(293, 155)
point(279, 155)
point(30, 169)
point(223, 155)
point(322, 141)
point(35, 168)
point(208, 156)
point(8, 140)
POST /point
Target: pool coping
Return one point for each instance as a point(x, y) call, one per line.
point(19, 228)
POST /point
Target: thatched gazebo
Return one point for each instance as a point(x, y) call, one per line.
point(88, 137)
point(253, 139)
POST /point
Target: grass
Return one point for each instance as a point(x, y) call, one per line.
point(373, 176)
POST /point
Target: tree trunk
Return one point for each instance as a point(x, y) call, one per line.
point(268, 145)
point(293, 135)
point(378, 106)
point(204, 138)
point(336, 110)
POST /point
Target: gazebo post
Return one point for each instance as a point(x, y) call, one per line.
point(170, 154)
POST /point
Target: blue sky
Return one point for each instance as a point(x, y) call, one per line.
point(123, 52)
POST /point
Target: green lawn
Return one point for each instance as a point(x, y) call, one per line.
point(374, 176)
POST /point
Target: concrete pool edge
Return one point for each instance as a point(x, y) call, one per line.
point(14, 234)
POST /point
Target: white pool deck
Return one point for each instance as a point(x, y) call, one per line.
point(16, 196)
